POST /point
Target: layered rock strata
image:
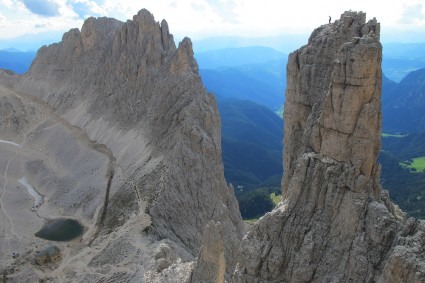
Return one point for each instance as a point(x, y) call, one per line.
point(335, 223)
point(112, 127)
point(127, 88)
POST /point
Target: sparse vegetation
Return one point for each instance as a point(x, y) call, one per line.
point(251, 144)
point(275, 197)
point(251, 221)
point(416, 165)
point(256, 203)
point(403, 174)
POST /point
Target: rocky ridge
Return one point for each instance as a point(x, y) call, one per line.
point(335, 224)
point(127, 90)
point(131, 90)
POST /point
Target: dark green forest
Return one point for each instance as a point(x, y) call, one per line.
point(406, 186)
point(249, 84)
point(256, 203)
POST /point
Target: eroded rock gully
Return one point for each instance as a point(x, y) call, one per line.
point(129, 87)
point(171, 217)
point(335, 224)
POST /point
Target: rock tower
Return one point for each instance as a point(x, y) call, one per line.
point(335, 224)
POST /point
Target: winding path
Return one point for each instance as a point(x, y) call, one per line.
point(7, 217)
point(81, 135)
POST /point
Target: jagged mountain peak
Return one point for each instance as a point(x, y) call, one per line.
point(340, 76)
point(335, 222)
point(97, 31)
point(139, 101)
point(350, 24)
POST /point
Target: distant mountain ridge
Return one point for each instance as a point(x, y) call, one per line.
point(251, 144)
point(251, 73)
point(406, 186)
point(404, 104)
point(31, 42)
point(231, 57)
point(16, 60)
point(399, 59)
point(404, 50)
point(233, 83)
point(283, 43)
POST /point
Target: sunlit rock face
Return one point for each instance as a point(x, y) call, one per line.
point(113, 127)
point(335, 223)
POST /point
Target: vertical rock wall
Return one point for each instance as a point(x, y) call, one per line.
point(131, 89)
point(335, 223)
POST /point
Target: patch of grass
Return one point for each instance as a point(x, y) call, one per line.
point(251, 221)
point(417, 165)
point(275, 198)
point(385, 135)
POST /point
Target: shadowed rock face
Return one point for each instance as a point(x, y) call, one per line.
point(133, 92)
point(333, 96)
point(211, 264)
point(335, 223)
point(119, 106)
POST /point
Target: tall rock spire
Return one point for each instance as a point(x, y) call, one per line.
point(333, 97)
point(335, 223)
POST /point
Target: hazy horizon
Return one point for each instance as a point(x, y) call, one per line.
point(284, 42)
point(25, 23)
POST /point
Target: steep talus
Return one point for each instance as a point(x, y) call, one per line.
point(113, 128)
point(335, 223)
point(130, 88)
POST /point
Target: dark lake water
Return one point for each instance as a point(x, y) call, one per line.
point(61, 229)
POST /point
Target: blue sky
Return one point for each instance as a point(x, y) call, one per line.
point(401, 20)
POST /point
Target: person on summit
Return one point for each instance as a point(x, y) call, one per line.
point(330, 19)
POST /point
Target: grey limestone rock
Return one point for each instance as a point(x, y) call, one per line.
point(211, 264)
point(139, 164)
point(48, 256)
point(139, 97)
point(335, 224)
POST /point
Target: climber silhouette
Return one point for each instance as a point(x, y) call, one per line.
point(330, 19)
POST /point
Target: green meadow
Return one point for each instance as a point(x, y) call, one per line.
point(275, 198)
point(418, 164)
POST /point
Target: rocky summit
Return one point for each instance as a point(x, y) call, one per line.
point(112, 130)
point(335, 224)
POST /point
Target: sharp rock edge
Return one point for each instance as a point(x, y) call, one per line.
point(335, 224)
point(135, 94)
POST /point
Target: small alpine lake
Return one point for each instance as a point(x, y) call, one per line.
point(60, 229)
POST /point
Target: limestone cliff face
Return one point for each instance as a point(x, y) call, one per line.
point(335, 223)
point(130, 89)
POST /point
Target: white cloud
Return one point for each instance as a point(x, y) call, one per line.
point(205, 18)
point(40, 26)
point(225, 9)
point(413, 14)
point(3, 20)
point(86, 8)
point(7, 3)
